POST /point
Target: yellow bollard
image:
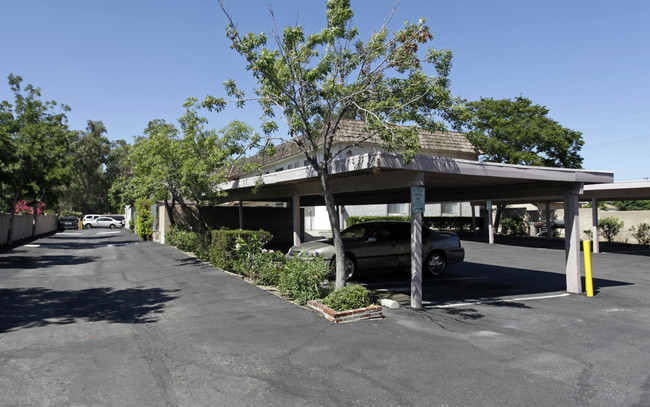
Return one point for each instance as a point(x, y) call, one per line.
point(589, 283)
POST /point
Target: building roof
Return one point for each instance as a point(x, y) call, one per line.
point(440, 143)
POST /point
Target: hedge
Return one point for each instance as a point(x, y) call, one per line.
point(214, 246)
point(458, 223)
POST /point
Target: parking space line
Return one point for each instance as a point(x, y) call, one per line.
point(107, 233)
point(498, 300)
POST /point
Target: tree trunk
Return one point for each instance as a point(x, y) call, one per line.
point(336, 229)
point(497, 216)
point(170, 211)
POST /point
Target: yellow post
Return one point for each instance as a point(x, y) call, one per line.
point(589, 283)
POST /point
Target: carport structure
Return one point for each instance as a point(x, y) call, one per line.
point(380, 178)
point(617, 191)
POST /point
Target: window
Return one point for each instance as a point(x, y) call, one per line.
point(449, 208)
point(279, 169)
point(398, 209)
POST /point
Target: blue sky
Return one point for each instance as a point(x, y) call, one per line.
point(128, 62)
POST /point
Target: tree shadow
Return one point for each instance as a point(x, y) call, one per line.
point(35, 307)
point(35, 262)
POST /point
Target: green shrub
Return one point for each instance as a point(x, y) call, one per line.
point(252, 260)
point(610, 227)
point(642, 234)
point(348, 297)
point(303, 277)
point(144, 219)
point(190, 241)
point(221, 252)
point(458, 223)
point(514, 225)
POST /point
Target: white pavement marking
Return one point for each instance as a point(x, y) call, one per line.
point(107, 233)
point(32, 245)
point(70, 233)
point(496, 300)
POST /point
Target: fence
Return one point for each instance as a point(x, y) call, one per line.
point(23, 226)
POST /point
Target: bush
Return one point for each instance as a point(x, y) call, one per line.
point(610, 227)
point(458, 223)
point(144, 220)
point(223, 241)
point(348, 297)
point(514, 225)
point(252, 260)
point(642, 234)
point(303, 277)
point(190, 241)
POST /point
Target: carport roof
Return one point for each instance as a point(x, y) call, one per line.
point(618, 191)
point(383, 178)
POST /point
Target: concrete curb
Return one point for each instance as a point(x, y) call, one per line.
point(374, 311)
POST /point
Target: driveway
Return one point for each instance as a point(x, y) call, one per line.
point(97, 318)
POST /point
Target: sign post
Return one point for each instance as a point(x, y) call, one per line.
point(418, 203)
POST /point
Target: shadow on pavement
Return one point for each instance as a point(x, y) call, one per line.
point(473, 282)
point(34, 262)
point(33, 307)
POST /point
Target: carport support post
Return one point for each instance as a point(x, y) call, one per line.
point(241, 215)
point(488, 206)
point(594, 224)
point(296, 219)
point(548, 221)
point(572, 240)
point(473, 220)
point(416, 244)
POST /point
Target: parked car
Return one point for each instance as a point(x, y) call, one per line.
point(89, 218)
point(118, 217)
point(387, 245)
point(68, 222)
point(102, 222)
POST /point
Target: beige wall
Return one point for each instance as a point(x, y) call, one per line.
point(22, 228)
point(630, 218)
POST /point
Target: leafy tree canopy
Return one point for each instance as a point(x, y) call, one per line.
point(636, 205)
point(520, 132)
point(390, 81)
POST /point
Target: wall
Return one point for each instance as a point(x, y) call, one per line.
point(277, 221)
point(22, 228)
point(630, 218)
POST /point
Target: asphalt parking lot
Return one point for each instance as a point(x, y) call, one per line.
point(101, 318)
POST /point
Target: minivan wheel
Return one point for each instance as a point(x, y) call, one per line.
point(87, 226)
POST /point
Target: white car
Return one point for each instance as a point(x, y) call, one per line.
point(102, 222)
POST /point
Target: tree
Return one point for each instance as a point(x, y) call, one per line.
point(519, 132)
point(88, 185)
point(609, 227)
point(172, 165)
point(314, 81)
point(35, 142)
point(635, 205)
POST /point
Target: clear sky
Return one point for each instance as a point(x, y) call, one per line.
point(126, 62)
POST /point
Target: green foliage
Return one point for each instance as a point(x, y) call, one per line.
point(518, 132)
point(303, 277)
point(637, 205)
point(144, 219)
point(459, 223)
point(253, 261)
point(514, 225)
point(353, 220)
point(34, 144)
point(392, 82)
point(642, 234)
point(222, 251)
point(190, 241)
point(609, 227)
point(348, 298)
